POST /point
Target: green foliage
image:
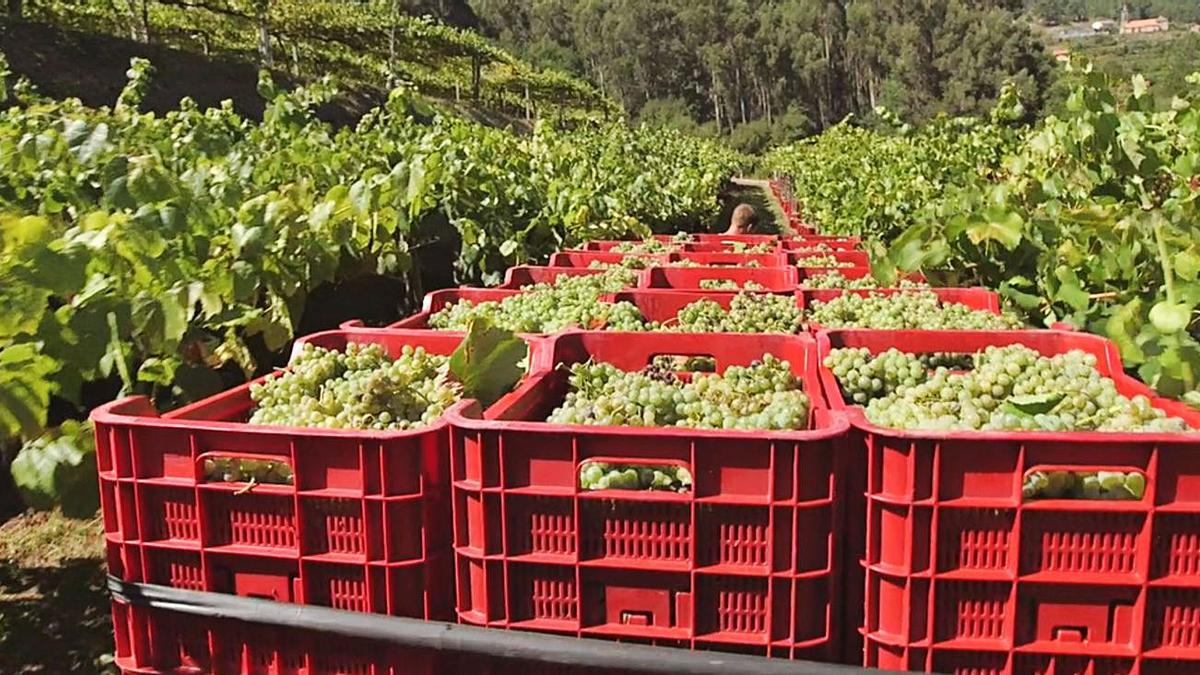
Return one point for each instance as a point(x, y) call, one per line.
point(153, 251)
point(854, 180)
point(59, 468)
point(488, 362)
point(1166, 59)
point(1090, 218)
point(1098, 211)
point(25, 388)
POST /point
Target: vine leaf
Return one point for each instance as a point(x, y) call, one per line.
point(1070, 290)
point(60, 468)
point(1003, 227)
point(25, 388)
point(1033, 404)
point(488, 363)
point(1170, 318)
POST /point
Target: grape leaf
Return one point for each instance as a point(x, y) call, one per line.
point(1033, 404)
point(1187, 264)
point(1170, 318)
point(16, 233)
point(86, 143)
point(59, 468)
point(488, 362)
point(25, 389)
point(1069, 289)
point(999, 226)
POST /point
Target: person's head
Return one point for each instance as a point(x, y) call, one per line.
point(742, 218)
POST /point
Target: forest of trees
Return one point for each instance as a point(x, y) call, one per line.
point(772, 69)
point(769, 71)
point(1079, 10)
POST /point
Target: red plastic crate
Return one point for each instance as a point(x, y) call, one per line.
point(801, 228)
point(964, 576)
point(151, 641)
point(364, 526)
point(811, 241)
point(748, 561)
point(724, 259)
point(154, 641)
point(435, 301)
point(751, 239)
point(586, 258)
point(724, 247)
point(609, 244)
point(527, 275)
point(773, 279)
point(857, 258)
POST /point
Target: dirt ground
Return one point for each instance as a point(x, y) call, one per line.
point(54, 612)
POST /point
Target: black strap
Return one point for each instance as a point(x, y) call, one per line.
point(465, 640)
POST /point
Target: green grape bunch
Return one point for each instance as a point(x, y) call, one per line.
point(646, 246)
point(729, 285)
point(910, 309)
point(743, 247)
point(764, 395)
point(836, 280)
point(568, 302)
point(1011, 388)
point(826, 260)
point(747, 313)
point(235, 470)
point(607, 476)
point(359, 388)
point(627, 263)
point(819, 247)
point(1115, 485)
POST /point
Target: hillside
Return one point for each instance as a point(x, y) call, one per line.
point(64, 63)
point(367, 47)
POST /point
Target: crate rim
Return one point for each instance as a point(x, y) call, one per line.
point(112, 413)
point(837, 422)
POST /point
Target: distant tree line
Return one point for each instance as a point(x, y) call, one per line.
point(764, 69)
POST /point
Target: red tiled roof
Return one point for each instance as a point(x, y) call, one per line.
point(1146, 23)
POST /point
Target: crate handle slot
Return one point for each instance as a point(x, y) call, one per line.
point(634, 618)
point(227, 466)
point(672, 476)
point(1070, 634)
point(685, 363)
point(1084, 482)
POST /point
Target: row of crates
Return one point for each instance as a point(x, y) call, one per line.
point(663, 305)
point(905, 550)
point(770, 279)
point(739, 243)
point(487, 502)
point(804, 258)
